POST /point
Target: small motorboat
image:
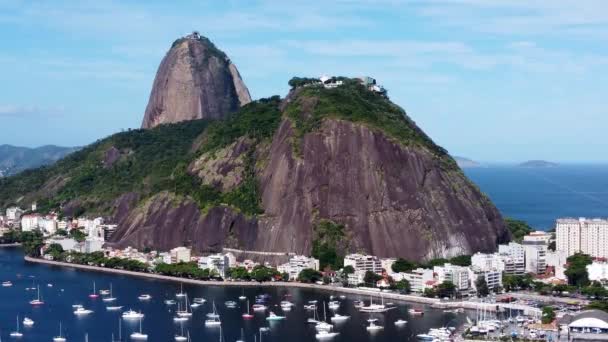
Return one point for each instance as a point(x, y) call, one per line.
point(114, 307)
point(416, 312)
point(7, 284)
point(372, 327)
point(82, 311)
point(170, 302)
point(144, 297)
point(400, 322)
point(27, 322)
point(199, 300)
point(274, 317)
point(324, 334)
point(259, 307)
point(131, 314)
point(339, 318)
point(230, 304)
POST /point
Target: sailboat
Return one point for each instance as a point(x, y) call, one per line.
point(213, 319)
point(16, 333)
point(185, 312)
point(59, 338)
point(139, 335)
point(179, 318)
point(242, 339)
point(242, 296)
point(110, 298)
point(119, 332)
point(94, 294)
point(375, 307)
point(247, 315)
point(181, 337)
point(323, 325)
point(37, 301)
point(181, 291)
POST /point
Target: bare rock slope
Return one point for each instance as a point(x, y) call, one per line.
point(195, 80)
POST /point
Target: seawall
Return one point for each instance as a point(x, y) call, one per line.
point(327, 288)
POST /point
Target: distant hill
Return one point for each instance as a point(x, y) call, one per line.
point(14, 159)
point(538, 163)
point(466, 162)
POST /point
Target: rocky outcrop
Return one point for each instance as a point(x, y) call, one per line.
point(394, 200)
point(195, 80)
point(166, 221)
point(222, 169)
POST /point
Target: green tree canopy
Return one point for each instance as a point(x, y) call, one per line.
point(308, 275)
point(482, 287)
point(576, 270)
point(403, 286)
point(518, 229)
point(402, 265)
point(446, 289)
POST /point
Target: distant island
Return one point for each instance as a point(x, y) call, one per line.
point(466, 162)
point(538, 163)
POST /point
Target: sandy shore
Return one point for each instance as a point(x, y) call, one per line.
point(334, 289)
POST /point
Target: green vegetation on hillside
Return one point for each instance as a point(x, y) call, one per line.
point(150, 161)
point(353, 102)
point(518, 229)
point(328, 244)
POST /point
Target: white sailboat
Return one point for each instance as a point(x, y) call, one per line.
point(111, 298)
point(213, 319)
point(37, 301)
point(323, 325)
point(119, 332)
point(16, 333)
point(139, 335)
point(94, 293)
point(373, 327)
point(131, 314)
point(185, 312)
point(179, 318)
point(181, 291)
point(375, 307)
point(242, 339)
point(181, 336)
point(59, 338)
point(242, 296)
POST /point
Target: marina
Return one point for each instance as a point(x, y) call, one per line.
point(71, 289)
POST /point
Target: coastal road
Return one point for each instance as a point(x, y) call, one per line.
point(545, 299)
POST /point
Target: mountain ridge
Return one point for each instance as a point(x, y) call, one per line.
point(14, 159)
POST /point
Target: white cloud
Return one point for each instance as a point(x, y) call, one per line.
point(29, 111)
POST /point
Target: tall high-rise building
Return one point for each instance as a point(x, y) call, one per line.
point(589, 236)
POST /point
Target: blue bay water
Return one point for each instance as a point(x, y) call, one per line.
point(72, 286)
point(541, 195)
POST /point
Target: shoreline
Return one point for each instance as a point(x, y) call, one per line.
point(14, 244)
point(327, 288)
point(433, 302)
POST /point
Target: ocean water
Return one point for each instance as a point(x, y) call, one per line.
point(71, 286)
point(541, 195)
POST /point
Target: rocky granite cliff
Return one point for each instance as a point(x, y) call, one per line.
point(322, 171)
point(195, 80)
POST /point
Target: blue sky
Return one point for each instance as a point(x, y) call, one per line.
point(491, 80)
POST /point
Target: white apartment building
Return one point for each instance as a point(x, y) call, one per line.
point(48, 225)
point(180, 254)
point(514, 258)
point(493, 278)
point(598, 271)
point(298, 263)
point(487, 262)
point(536, 252)
point(215, 262)
point(558, 261)
point(361, 262)
point(387, 264)
point(418, 278)
point(589, 236)
point(29, 222)
point(458, 275)
point(13, 213)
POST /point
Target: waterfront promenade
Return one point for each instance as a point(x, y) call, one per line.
point(434, 302)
